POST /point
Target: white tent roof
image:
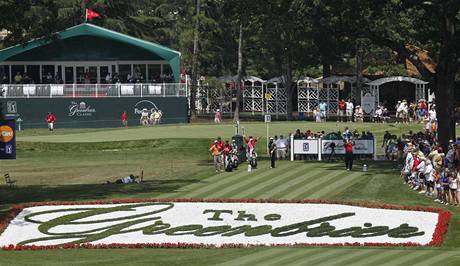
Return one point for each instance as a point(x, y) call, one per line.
point(229, 78)
point(381, 81)
point(338, 79)
point(294, 79)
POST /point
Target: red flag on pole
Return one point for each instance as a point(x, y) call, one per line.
point(90, 14)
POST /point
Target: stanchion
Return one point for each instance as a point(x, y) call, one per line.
point(320, 149)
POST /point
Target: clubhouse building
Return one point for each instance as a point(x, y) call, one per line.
point(89, 54)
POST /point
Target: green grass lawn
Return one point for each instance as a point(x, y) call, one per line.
point(72, 165)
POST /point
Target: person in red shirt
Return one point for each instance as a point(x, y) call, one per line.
point(341, 111)
point(124, 119)
point(50, 119)
point(227, 150)
point(348, 146)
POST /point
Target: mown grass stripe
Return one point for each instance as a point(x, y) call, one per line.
point(287, 177)
point(404, 260)
point(275, 187)
point(241, 185)
point(382, 255)
point(204, 184)
point(308, 185)
point(336, 185)
point(289, 255)
point(229, 179)
point(255, 257)
point(321, 182)
point(317, 258)
point(354, 255)
point(441, 256)
point(345, 187)
point(282, 188)
point(349, 253)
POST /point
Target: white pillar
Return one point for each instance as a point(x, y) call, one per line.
point(320, 150)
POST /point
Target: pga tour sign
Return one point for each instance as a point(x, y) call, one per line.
point(219, 224)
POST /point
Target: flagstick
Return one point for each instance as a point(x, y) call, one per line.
point(86, 15)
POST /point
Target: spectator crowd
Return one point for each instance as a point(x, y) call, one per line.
point(428, 169)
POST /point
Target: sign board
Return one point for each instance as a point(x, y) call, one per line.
point(368, 103)
point(360, 146)
point(7, 139)
point(306, 146)
point(268, 118)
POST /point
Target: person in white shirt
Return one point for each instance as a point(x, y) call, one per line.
point(398, 112)
point(432, 114)
point(144, 117)
point(108, 78)
point(126, 180)
point(378, 114)
point(404, 108)
point(429, 177)
point(349, 111)
point(359, 114)
point(406, 172)
point(281, 148)
point(420, 176)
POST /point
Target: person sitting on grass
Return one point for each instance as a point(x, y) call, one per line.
point(126, 180)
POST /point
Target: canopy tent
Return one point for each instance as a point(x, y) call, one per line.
point(370, 97)
point(381, 81)
point(82, 38)
point(229, 78)
point(340, 79)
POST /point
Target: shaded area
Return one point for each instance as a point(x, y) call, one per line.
point(85, 192)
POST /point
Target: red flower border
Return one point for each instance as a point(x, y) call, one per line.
point(437, 239)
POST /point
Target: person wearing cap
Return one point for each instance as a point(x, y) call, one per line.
point(348, 146)
point(144, 117)
point(429, 177)
point(50, 119)
point(409, 161)
point(272, 152)
point(349, 107)
point(359, 114)
point(420, 174)
point(216, 154)
point(218, 117)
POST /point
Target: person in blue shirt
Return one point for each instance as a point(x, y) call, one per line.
point(322, 110)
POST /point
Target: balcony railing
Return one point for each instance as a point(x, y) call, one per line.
point(94, 90)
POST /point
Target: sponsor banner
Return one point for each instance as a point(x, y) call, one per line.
point(7, 139)
point(220, 224)
point(93, 112)
point(360, 146)
point(368, 103)
point(306, 146)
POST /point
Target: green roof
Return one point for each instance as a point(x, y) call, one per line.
point(86, 29)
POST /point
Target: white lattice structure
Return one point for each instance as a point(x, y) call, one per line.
point(307, 94)
point(276, 97)
point(208, 100)
point(253, 95)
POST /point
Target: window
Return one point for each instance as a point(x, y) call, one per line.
point(154, 73)
point(124, 70)
point(140, 73)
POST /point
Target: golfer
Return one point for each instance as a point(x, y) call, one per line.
point(50, 119)
point(272, 151)
point(348, 146)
